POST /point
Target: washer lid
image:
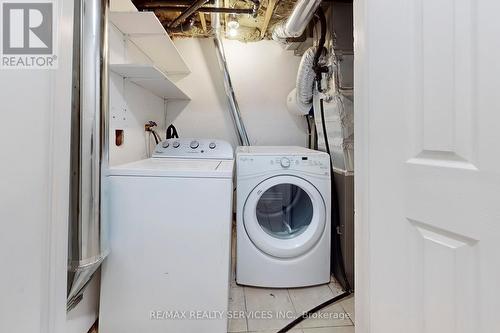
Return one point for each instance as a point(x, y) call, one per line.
point(173, 167)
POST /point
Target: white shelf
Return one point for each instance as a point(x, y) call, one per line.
point(145, 30)
point(150, 78)
point(122, 6)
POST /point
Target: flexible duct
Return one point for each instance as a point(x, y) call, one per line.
point(305, 81)
point(295, 25)
point(88, 145)
point(228, 85)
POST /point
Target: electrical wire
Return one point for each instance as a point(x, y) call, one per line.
point(156, 136)
point(314, 310)
point(336, 246)
point(309, 131)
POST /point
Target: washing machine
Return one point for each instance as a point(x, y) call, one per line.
point(283, 217)
point(170, 221)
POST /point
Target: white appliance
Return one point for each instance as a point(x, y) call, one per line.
point(170, 240)
point(283, 217)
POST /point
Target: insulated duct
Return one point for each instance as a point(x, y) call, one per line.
point(300, 99)
point(297, 22)
point(88, 145)
point(228, 85)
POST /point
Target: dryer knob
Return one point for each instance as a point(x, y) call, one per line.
point(285, 162)
point(194, 144)
point(165, 144)
point(176, 144)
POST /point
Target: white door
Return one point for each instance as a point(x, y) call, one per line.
point(284, 216)
point(427, 162)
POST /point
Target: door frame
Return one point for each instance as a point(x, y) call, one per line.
point(361, 166)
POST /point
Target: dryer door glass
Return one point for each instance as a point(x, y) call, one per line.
point(284, 211)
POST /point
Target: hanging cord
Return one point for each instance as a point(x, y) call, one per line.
point(320, 15)
point(319, 69)
point(335, 243)
point(309, 131)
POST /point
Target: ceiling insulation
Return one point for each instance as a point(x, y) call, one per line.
point(252, 27)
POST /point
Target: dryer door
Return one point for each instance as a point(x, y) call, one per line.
point(284, 216)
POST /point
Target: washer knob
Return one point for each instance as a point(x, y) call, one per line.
point(176, 144)
point(194, 144)
point(165, 144)
point(285, 162)
point(212, 145)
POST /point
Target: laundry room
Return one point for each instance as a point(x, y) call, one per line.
point(249, 166)
point(234, 88)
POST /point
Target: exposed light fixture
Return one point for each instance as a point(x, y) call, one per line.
point(233, 32)
point(232, 26)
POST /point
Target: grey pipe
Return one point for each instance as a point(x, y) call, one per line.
point(222, 10)
point(88, 145)
point(231, 97)
point(295, 25)
point(187, 13)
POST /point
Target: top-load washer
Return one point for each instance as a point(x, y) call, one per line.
point(170, 235)
point(283, 217)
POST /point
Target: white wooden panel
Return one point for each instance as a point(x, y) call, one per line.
point(444, 83)
point(447, 280)
point(439, 272)
point(438, 68)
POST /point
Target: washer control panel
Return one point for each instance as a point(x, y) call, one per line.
point(194, 148)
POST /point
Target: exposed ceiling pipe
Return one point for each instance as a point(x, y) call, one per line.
point(145, 4)
point(231, 97)
point(222, 10)
point(296, 24)
point(187, 13)
point(183, 27)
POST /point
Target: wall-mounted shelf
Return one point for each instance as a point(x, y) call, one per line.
point(145, 30)
point(122, 6)
point(150, 78)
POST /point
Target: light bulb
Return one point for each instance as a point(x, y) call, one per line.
point(233, 24)
point(233, 32)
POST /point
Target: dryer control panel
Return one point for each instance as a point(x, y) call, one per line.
point(194, 148)
point(309, 163)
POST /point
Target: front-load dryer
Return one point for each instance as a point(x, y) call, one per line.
point(283, 217)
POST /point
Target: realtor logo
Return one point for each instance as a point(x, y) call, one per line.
point(28, 30)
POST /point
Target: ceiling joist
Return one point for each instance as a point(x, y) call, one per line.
point(269, 13)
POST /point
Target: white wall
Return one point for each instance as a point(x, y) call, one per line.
point(263, 74)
